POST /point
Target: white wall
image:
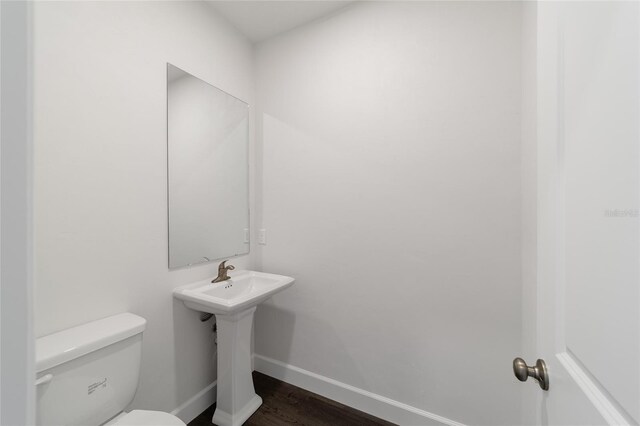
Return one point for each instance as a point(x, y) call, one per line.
point(391, 177)
point(100, 173)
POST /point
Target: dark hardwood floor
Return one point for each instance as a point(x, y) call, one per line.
point(285, 404)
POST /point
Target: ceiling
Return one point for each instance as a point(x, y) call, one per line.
point(259, 20)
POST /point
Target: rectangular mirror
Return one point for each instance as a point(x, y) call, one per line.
point(208, 171)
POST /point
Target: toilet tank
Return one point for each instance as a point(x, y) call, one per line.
point(88, 374)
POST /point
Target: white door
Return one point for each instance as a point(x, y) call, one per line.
point(588, 299)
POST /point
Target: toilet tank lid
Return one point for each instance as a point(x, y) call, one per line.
point(63, 346)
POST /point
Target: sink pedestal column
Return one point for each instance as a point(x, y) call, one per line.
point(236, 396)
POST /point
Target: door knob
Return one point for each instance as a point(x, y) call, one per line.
point(538, 372)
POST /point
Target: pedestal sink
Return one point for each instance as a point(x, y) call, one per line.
point(233, 302)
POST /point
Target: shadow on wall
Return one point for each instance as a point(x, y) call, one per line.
point(276, 325)
point(270, 318)
point(192, 335)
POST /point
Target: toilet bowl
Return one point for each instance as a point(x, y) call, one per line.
point(87, 375)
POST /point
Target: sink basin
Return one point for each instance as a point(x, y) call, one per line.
point(244, 290)
point(233, 302)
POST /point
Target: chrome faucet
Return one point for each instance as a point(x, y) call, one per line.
point(222, 272)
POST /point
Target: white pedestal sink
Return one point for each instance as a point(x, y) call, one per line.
point(233, 302)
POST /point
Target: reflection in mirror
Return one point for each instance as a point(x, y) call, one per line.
point(208, 183)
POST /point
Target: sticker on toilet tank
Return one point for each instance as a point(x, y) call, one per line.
point(97, 385)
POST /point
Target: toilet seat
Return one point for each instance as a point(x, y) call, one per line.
point(148, 418)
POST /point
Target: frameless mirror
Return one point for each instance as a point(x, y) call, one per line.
point(208, 171)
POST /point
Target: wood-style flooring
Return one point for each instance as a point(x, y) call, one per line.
point(285, 404)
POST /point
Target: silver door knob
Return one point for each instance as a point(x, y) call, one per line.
point(538, 372)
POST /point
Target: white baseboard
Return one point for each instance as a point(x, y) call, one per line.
point(195, 405)
point(376, 405)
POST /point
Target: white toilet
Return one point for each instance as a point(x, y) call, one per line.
point(88, 374)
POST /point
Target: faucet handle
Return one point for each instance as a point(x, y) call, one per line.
point(223, 266)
